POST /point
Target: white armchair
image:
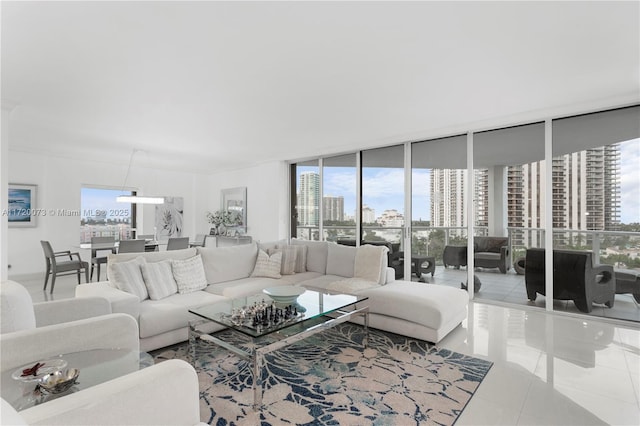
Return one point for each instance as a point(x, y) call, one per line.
point(163, 394)
point(166, 393)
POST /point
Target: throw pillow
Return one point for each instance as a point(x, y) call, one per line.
point(301, 257)
point(127, 276)
point(289, 257)
point(267, 266)
point(189, 274)
point(158, 278)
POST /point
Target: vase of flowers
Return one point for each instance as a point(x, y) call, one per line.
point(221, 219)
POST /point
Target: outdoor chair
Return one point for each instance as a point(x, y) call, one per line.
point(575, 277)
point(178, 243)
point(58, 265)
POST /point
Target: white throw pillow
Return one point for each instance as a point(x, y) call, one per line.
point(368, 263)
point(301, 257)
point(289, 257)
point(189, 274)
point(267, 266)
point(158, 277)
point(127, 276)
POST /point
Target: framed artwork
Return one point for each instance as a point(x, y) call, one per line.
point(169, 217)
point(235, 200)
point(22, 211)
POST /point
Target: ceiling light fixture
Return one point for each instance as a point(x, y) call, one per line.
point(136, 199)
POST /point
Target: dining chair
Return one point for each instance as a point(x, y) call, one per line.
point(199, 241)
point(178, 243)
point(131, 246)
point(100, 244)
point(149, 239)
point(56, 267)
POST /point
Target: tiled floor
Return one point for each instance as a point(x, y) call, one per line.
point(549, 368)
point(510, 288)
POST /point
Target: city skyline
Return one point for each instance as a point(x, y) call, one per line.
point(383, 188)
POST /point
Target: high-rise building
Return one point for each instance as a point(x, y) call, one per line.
point(586, 193)
point(368, 214)
point(447, 197)
point(309, 199)
point(333, 208)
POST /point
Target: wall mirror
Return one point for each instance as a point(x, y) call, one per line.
point(235, 200)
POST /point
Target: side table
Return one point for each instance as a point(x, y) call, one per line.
point(418, 268)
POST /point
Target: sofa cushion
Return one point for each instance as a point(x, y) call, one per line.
point(245, 286)
point(340, 260)
point(267, 266)
point(429, 305)
point(189, 274)
point(158, 278)
point(369, 263)
point(289, 257)
point(127, 276)
point(351, 285)
point(322, 282)
point(152, 256)
point(317, 252)
point(228, 263)
point(172, 313)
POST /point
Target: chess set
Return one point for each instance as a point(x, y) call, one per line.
point(263, 315)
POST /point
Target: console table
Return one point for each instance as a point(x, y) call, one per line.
point(224, 241)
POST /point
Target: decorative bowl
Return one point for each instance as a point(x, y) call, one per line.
point(284, 295)
point(35, 371)
point(59, 381)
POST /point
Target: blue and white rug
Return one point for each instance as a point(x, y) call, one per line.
point(330, 379)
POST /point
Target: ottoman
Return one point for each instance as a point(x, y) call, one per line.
point(425, 312)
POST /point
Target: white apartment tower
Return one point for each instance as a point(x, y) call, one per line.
point(309, 199)
point(333, 208)
point(447, 197)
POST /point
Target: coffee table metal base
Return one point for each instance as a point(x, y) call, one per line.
point(257, 356)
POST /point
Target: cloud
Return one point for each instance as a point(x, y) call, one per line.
point(630, 181)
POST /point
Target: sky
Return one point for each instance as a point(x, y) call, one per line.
point(383, 188)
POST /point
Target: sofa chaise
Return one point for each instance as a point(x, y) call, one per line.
point(140, 284)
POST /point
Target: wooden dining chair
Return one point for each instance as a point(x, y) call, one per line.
point(57, 264)
point(178, 243)
point(100, 244)
point(131, 246)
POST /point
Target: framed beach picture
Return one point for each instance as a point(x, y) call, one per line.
point(21, 211)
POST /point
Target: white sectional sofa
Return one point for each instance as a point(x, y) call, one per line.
point(208, 275)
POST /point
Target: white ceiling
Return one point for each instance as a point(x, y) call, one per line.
point(208, 86)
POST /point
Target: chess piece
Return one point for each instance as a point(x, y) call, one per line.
point(476, 284)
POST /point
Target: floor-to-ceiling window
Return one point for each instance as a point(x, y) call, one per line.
point(591, 180)
point(102, 216)
point(339, 203)
point(508, 195)
point(438, 199)
point(383, 199)
point(595, 205)
point(307, 200)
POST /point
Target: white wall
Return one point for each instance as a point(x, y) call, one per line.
point(59, 181)
point(267, 198)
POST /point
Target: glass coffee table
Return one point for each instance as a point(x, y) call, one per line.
point(271, 326)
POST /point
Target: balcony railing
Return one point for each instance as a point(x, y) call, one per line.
point(620, 248)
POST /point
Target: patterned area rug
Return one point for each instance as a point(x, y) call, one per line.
point(330, 379)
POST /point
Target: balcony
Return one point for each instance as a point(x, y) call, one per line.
point(611, 247)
